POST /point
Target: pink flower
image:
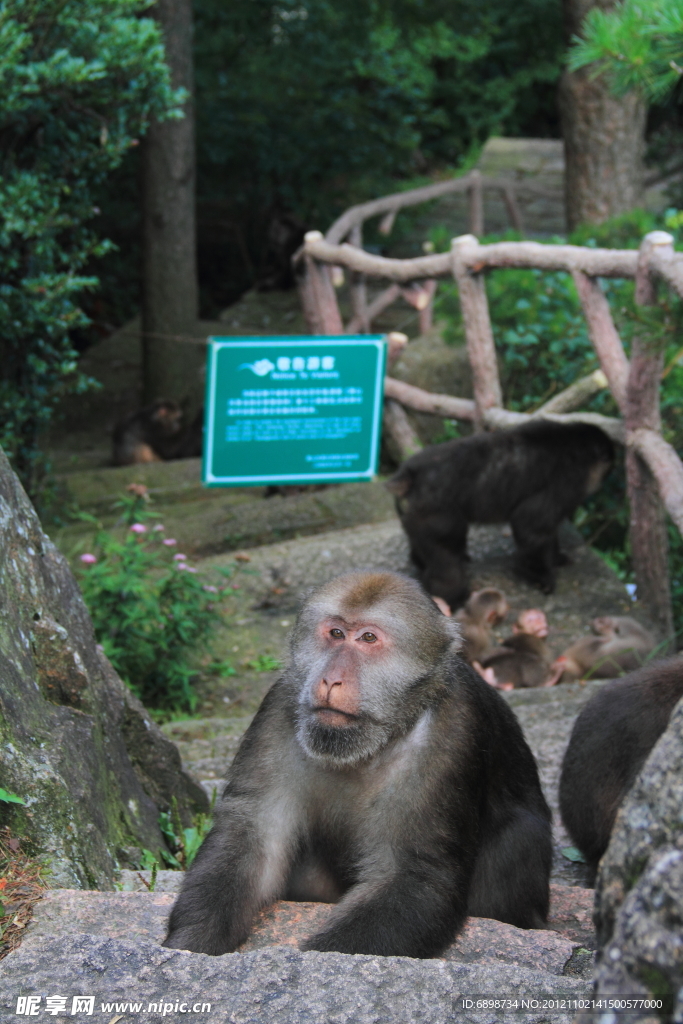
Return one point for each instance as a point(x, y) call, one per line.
point(211, 590)
point(169, 542)
point(157, 528)
point(179, 558)
point(186, 567)
point(138, 528)
point(88, 559)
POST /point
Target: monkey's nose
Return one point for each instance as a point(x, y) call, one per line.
point(329, 684)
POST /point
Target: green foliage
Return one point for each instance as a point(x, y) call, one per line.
point(10, 798)
point(538, 326)
point(639, 43)
point(305, 106)
point(80, 80)
point(264, 663)
point(183, 842)
point(150, 610)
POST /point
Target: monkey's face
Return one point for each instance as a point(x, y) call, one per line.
point(361, 670)
point(533, 622)
point(167, 418)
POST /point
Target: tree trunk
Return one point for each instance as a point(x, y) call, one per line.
point(170, 291)
point(604, 137)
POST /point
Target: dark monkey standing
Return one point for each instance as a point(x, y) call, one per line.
point(532, 477)
point(380, 772)
point(610, 742)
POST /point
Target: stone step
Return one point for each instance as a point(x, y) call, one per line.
point(144, 915)
point(571, 907)
point(210, 520)
point(279, 985)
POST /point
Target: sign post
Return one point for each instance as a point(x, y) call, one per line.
point(291, 410)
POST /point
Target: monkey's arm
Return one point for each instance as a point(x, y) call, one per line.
point(243, 863)
point(416, 912)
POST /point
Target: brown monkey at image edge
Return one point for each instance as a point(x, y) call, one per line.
point(619, 644)
point(382, 774)
point(609, 744)
point(532, 476)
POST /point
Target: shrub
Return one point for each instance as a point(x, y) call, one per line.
point(80, 80)
point(150, 609)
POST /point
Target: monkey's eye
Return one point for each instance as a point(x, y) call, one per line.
point(337, 634)
point(369, 638)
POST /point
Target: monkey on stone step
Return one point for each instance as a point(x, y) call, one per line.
point(610, 742)
point(619, 645)
point(380, 773)
point(523, 659)
point(532, 476)
point(483, 610)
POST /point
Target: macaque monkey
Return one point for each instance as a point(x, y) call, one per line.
point(619, 645)
point(523, 659)
point(483, 610)
point(380, 774)
point(150, 435)
point(532, 476)
point(611, 740)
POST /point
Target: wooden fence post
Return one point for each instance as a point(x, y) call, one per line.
point(647, 521)
point(318, 297)
point(476, 196)
point(512, 207)
point(481, 349)
point(603, 335)
point(359, 291)
point(402, 439)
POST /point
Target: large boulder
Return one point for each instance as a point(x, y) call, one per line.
point(81, 751)
point(639, 895)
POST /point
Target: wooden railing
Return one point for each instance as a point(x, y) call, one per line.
point(419, 295)
point(654, 470)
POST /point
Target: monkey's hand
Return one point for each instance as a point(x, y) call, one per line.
point(410, 916)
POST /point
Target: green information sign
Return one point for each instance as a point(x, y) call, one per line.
point(293, 410)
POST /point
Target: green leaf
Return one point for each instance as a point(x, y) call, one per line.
point(10, 798)
point(571, 853)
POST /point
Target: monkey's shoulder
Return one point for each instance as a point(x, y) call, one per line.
point(466, 692)
point(274, 724)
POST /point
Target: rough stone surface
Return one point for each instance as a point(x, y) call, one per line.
point(144, 915)
point(82, 752)
point(130, 880)
point(272, 985)
point(639, 895)
point(571, 907)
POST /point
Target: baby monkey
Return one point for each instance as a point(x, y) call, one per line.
point(483, 610)
point(523, 660)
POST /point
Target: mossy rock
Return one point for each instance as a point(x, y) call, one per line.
point(76, 746)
